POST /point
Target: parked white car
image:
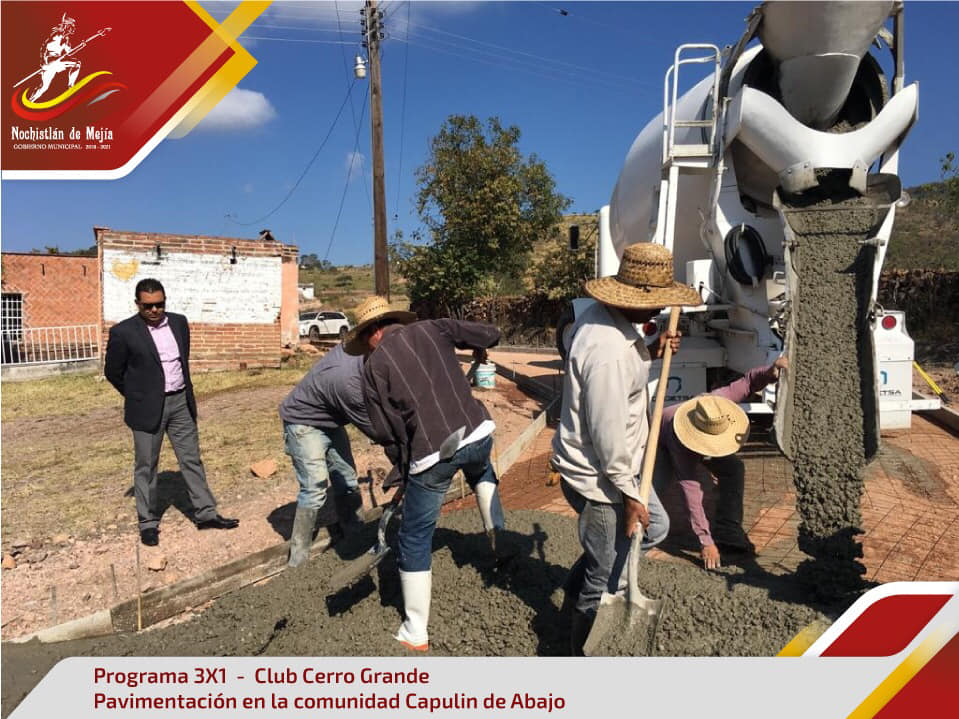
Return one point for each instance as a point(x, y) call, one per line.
point(323, 324)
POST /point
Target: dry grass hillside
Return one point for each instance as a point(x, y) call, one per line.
point(926, 234)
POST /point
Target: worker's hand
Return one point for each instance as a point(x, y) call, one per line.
point(634, 511)
point(480, 355)
point(710, 557)
point(779, 365)
point(672, 338)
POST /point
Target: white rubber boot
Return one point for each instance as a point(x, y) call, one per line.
point(490, 509)
point(417, 589)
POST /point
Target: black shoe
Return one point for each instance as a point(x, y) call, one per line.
point(150, 537)
point(218, 522)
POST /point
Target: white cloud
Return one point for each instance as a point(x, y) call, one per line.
point(239, 110)
point(248, 188)
point(354, 164)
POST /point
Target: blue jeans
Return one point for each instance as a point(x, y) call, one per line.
point(424, 498)
point(605, 546)
point(319, 457)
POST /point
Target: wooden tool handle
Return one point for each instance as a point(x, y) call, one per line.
point(652, 442)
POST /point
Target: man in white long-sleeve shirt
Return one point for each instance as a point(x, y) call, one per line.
point(599, 446)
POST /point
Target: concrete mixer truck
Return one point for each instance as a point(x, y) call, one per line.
point(773, 181)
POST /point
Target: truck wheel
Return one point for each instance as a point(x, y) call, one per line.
point(314, 334)
point(563, 325)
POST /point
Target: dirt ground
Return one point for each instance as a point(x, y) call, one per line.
point(944, 375)
point(480, 607)
point(69, 521)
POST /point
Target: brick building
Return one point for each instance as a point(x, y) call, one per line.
point(49, 307)
point(239, 295)
point(51, 290)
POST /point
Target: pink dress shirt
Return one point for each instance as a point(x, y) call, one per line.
point(169, 353)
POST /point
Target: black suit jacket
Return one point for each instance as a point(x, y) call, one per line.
point(132, 365)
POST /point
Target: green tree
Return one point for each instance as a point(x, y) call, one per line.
point(559, 273)
point(483, 205)
point(949, 170)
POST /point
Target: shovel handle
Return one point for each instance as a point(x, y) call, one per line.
point(649, 457)
point(632, 567)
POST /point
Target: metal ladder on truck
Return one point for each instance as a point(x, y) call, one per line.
point(679, 157)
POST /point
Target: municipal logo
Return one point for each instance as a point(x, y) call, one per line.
point(56, 86)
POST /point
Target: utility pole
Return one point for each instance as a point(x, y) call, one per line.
point(373, 33)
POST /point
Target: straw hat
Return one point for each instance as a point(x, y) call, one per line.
point(372, 309)
point(711, 426)
point(644, 281)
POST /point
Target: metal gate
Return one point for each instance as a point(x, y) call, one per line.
point(40, 345)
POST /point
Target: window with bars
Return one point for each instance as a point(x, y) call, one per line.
point(11, 325)
point(11, 315)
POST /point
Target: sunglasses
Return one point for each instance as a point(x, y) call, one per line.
point(152, 305)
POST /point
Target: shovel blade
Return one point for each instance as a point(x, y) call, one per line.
point(624, 627)
point(356, 569)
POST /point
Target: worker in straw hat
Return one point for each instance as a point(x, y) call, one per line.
point(599, 445)
point(700, 437)
point(314, 416)
point(431, 426)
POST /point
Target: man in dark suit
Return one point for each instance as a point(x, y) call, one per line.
point(148, 361)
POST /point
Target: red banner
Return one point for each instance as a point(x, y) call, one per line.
point(90, 88)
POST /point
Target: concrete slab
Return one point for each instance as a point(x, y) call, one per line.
point(910, 506)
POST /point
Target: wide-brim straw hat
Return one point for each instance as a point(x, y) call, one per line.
point(644, 281)
point(372, 309)
point(711, 426)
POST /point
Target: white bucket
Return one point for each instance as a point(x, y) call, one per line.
point(486, 375)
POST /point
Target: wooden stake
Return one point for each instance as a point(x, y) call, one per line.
point(139, 592)
point(53, 603)
point(113, 575)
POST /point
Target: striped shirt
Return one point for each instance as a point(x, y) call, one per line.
point(417, 394)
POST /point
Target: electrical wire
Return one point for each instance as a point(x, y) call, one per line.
point(591, 70)
point(294, 39)
point(406, 62)
point(349, 172)
point(308, 165)
point(544, 73)
point(581, 18)
point(346, 67)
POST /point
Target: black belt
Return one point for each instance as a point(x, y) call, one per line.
point(176, 391)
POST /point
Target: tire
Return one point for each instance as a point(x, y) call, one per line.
point(565, 322)
point(343, 333)
point(314, 334)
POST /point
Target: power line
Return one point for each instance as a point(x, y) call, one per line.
point(308, 165)
point(293, 39)
point(530, 55)
point(346, 67)
point(581, 18)
point(349, 172)
point(510, 63)
point(406, 62)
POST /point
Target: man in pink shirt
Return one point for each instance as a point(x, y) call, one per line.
point(148, 362)
point(701, 436)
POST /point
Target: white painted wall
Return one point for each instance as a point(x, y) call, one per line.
point(205, 288)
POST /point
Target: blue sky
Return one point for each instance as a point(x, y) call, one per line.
point(580, 86)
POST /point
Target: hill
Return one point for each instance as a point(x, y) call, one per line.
point(926, 234)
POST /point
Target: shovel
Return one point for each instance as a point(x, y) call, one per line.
point(360, 567)
point(626, 625)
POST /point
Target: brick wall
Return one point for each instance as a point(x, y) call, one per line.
point(235, 301)
point(57, 290)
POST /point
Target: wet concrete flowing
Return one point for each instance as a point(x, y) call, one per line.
point(480, 608)
point(834, 411)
